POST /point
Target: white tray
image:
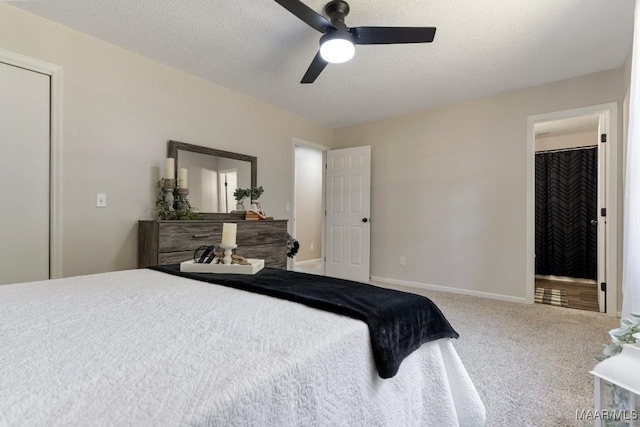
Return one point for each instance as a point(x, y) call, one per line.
point(193, 267)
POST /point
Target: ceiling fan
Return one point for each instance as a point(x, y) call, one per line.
point(338, 42)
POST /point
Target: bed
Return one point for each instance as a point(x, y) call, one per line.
point(142, 347)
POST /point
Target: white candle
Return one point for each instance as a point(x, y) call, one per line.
point(169, 168)
point(229, 234)
point(183, 180)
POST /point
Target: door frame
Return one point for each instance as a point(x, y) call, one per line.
point(55, 144)
point(610, 111)
point(298, 142)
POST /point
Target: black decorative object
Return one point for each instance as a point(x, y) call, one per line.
point(204, 254)
point(566, 205)
point(292, 246)
point(337, 10)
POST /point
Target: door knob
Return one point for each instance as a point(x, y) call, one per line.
point(365, 219)
point(594, 222)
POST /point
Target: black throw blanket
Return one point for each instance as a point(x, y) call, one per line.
point(399, 322)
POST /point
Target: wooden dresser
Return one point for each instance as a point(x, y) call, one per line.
point(171, 242)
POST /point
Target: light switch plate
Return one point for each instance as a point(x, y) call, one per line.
point(101, 200)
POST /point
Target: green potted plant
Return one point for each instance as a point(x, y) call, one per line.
point(240, 194)
point(172, 205)
point(255, 194)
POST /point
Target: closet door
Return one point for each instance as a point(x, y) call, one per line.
point(24, 174)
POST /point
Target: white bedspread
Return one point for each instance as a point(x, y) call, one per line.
point(144, 348)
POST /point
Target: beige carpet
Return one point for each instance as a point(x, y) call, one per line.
point(530, 363)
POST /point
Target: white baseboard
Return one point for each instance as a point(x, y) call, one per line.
point(450, 290)
point(309, 261)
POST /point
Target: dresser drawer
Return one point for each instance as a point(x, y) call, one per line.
point(176, 237)
point(174, 257)
point(262, 232)
point(273, 254)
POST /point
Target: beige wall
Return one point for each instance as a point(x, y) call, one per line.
point(308, 202)
point(120, 109)
point(582, 139)
point(449, 185)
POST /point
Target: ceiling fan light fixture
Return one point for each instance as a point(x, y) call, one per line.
point(337, 50)
point(338, 42)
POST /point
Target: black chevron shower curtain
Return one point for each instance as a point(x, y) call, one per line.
point(566, 202)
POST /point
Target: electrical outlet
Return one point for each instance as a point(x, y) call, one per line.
point(311, 246)
point(101, 200)
point(403, 261)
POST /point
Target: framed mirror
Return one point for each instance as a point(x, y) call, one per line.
point(213, 175)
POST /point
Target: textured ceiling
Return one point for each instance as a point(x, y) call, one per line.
point(258, 48)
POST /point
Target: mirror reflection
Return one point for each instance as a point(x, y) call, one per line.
point(213, 175)
point(213, 179)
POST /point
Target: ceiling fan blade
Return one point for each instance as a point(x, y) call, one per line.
point(314, 70)
point(308, 15)
point(392, 35)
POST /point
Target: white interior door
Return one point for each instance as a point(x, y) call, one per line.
point(228, 186)
point(348, 186)
point(24, 171)
point(602, 220)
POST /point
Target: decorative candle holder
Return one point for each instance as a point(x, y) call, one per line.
point(228, 251)
point(180, 198)
point(169, 185)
